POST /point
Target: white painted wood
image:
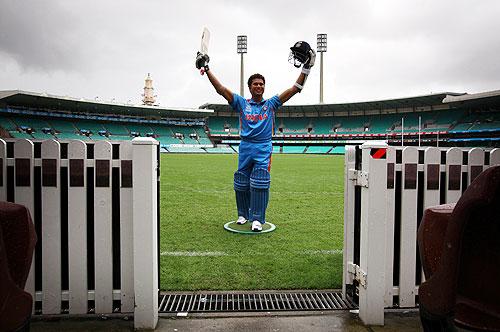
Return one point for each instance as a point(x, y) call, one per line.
point(408, 248)
point(432, 156)
point(475, 160)
point(389, 228)
point(103, 235)
point(51, 233)
point(407, 289)
point(348, 252)
point(24, 148)
point(77, 233)
point(495, 157)
point(3, 170)
point(373, 237)
point(126, 236)
point(145, 233)
point(453, 157)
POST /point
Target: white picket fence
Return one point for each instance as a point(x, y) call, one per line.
point(385, 193)
point(93, 259)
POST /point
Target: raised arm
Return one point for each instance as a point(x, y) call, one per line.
point(221, 89)
point(292, 91)
point(301, 80)
point(202, 64)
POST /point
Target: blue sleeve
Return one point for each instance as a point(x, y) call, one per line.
point(238, 102)
point(275, 102)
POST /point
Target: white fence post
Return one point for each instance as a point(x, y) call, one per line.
point(432, 171)
point(145, 232)
point(373, 233)
point(389, 227)
point(103, 228)
point(126, 228)
point(495, 157)
point(408, 248)
point(51, 227)
point(77, 227)
point(475, 162)
point(24, 192)
point(453, 175)
point(348, 252)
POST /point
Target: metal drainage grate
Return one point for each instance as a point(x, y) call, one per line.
point(209, 302)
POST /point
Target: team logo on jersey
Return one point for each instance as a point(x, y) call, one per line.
point(255, 117)
point(264, 108)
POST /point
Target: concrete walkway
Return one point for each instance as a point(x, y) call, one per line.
point(272, 322)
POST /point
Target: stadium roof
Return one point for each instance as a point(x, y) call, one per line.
point(490, 97)
point(69, 104)
point(398, 103)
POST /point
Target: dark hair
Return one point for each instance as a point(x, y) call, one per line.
point(255, 76)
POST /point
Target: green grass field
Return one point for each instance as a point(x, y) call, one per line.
point(306, 205)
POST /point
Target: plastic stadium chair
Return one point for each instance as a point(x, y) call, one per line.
point(17, 243)
point(460, 254)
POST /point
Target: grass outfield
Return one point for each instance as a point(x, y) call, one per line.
point(306, 205)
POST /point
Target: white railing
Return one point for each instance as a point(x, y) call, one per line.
point(386, 190)
point(94, 206)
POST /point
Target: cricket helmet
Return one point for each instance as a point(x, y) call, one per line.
point(299, 53)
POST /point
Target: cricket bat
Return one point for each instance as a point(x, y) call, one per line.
point(205, 40)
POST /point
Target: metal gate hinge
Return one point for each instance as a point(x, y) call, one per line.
point(360, 178)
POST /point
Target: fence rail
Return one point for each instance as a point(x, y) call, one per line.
point(87, 203)
point(386, 190)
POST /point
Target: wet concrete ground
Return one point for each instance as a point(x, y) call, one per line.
point(238, 322)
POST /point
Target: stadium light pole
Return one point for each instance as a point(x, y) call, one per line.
point(241, 48)
point(321, 49)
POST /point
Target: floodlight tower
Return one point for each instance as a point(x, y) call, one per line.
point(241, 48)
point(321, 50)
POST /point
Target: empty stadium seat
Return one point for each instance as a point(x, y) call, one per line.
point(460, 253)
point(295, 125)
point(293, 149)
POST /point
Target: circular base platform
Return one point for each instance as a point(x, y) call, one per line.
point(232, 226)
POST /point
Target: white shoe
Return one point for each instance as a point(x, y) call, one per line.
point(241, 220)
point(256, 226)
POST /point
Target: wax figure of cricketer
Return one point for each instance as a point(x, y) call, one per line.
point(252, 179)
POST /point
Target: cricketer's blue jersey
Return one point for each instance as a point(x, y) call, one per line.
point(256, 119)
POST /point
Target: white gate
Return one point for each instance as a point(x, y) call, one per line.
point(386, 190)
point(95, 212)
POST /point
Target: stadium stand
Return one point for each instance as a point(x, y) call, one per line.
point(445, 119)
point(202, 136)
point(293, 149)
point(321, 126)
point(318, 149)
point(337, 150)
point(220, 149)
point(438, 120)
point(185, 149)
point(224, 125)
point(294, 125)
point(122, 129)
point(40, 116)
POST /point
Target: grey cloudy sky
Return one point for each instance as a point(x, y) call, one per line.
point(376, 49)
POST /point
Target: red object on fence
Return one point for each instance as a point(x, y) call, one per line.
point(378, 153)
